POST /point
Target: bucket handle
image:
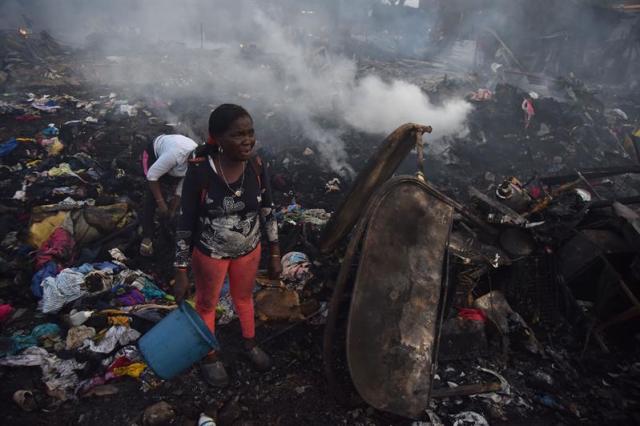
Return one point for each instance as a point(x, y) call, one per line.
point(213, 343)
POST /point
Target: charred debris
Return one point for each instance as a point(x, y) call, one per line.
point(537, 303)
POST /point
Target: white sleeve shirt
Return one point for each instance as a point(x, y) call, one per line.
point(172, 153)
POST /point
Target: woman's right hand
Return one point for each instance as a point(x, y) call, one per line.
point(181, 286)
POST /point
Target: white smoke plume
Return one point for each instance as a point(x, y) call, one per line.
point(319, 92)
point(314, 86)
point(376, 106)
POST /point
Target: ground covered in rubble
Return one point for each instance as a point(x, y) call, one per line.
point(91, 153)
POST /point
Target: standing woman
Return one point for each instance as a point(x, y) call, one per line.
point(226, 201)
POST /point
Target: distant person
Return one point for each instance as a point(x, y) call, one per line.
point(226, 203)
point(528, 108)
point(164, 162)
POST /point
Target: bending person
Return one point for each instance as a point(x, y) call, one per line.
point(164, 162)
point(226, 202)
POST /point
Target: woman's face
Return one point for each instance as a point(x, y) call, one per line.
point(238, 141)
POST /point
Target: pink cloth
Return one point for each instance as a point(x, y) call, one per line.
point(58, 247)
point(472, 314)
point(145, 162)
point(535, 192)
point(209, 276)
point(5, 312)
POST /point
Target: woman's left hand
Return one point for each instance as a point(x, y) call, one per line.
point(274, 267)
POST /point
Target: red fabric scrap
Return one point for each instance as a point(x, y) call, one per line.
point(472, 314)
point(5, 312)
point(535, 192)
point(123, 361)
point(58, 247)
point(28, 117)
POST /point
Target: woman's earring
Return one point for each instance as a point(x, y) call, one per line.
point(220, 150)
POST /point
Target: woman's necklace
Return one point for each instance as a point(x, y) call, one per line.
point(238, 192)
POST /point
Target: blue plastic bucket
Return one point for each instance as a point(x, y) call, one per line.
point(177, 342)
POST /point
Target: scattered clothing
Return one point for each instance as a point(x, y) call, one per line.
point(77, 335)
point(57, 291)
point(116, 335)
point(121, 366)
point(296, 270)
point(132, 370)
point(58, 247)
point(5, 312)
point(63, 169)
point(151, 291)
point(128, 297)
point(46, 105)
point(58, 375)
point(19, 342)
point(8, 146)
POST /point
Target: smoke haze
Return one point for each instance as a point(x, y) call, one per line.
point(286, 72)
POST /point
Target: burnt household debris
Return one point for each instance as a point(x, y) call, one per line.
point(488, 274)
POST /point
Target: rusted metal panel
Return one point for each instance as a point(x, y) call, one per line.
point(395, 309)
point(380, 167)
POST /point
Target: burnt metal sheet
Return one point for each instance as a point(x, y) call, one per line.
point(587, 246)
point(517, 242)
point(379, 168)
point(394, 316)
point(595, 173)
